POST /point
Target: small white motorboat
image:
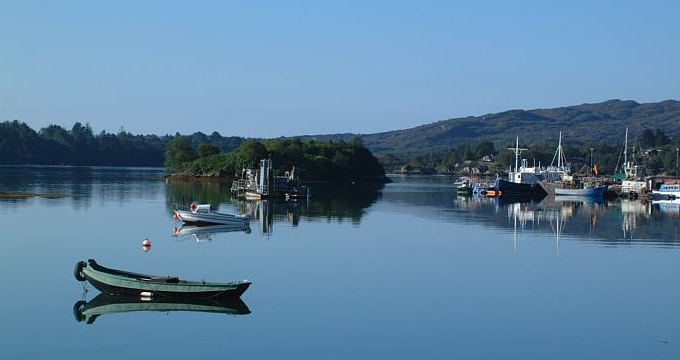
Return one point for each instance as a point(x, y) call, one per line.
point(202, 214)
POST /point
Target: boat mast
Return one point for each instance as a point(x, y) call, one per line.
point(559, 152)
point(516, 154)
point(625, 150)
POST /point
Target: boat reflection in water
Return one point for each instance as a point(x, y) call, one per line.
point(331, 202)
point(266, 211)
point(668, 207)
point(590, 219)
point(576, 199)
point(103, 303)
point(205, 232)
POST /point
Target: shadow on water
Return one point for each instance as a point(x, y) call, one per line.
point(102, 304)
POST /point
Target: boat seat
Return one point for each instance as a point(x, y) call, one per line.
point(167, 279)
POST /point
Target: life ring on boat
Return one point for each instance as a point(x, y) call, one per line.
point(78, 271)
point(78, 310)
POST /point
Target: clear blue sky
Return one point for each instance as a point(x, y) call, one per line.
point(272, 68)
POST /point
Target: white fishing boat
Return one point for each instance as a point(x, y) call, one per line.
point(204, 214)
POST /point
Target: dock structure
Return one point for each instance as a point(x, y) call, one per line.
point(261, 183)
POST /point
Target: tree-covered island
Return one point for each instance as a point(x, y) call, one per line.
point(318, 161)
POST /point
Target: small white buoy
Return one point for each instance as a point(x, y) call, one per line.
point(146, 245)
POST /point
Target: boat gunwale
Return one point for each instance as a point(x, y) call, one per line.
point(137, 278)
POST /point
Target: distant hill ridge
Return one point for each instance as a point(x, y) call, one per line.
point(600, 122)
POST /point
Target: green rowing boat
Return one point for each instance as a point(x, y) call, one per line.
point(113, 281)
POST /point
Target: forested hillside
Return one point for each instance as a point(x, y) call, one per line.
point(603, 122)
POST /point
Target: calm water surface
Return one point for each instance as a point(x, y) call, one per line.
point(402, 271)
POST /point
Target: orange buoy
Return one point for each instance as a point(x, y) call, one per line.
point(175, 216)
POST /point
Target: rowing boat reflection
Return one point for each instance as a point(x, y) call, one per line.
point(205, 232)
point(103, 303)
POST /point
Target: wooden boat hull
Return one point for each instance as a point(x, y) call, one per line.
point(113, 281)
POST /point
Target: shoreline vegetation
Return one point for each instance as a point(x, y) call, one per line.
point(653, 148)
point(187, 157)
point(215, 157)
point(318, 161)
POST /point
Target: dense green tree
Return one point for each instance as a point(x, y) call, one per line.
point(653, 164)
point(506, 158)
point(650, 139)
point(485, 147)
point(205, 150)
point(178, 152)
point(250, 153)
point(467, 152)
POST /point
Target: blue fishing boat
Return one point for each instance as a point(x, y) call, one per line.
point(584, 190)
